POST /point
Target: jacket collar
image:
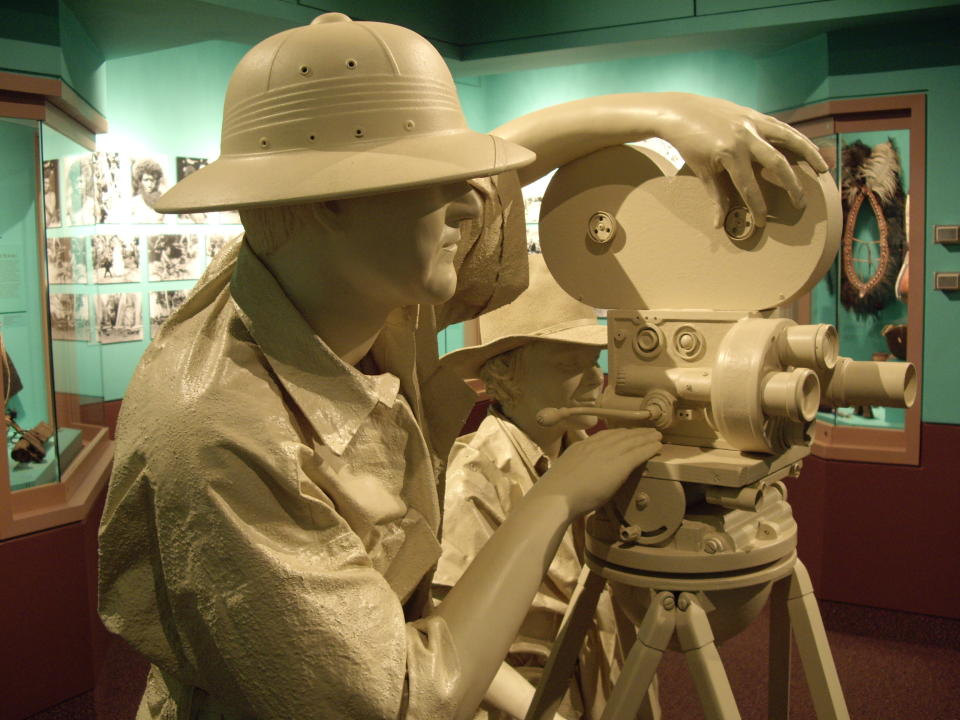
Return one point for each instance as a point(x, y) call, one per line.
point(335, 397)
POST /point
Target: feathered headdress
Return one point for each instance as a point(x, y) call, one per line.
point(872, 175)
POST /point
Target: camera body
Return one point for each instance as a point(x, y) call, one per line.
point(699, 348)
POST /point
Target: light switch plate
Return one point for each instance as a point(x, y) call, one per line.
point(946, 281)
point(946, 234)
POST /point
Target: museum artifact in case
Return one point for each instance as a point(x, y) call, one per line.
point(58, 447)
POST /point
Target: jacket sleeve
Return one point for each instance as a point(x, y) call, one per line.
point(268, 599)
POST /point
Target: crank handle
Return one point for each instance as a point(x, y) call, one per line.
point(549, 416)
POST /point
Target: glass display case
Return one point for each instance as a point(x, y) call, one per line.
point(874, 147)
point(58, 448)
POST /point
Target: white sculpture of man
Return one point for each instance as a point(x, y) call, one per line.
point(272, 518)
point(539, 351)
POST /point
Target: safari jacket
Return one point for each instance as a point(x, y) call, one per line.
point(272, 519)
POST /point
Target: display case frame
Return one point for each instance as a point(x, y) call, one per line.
point(860, 115)
point(73, 497)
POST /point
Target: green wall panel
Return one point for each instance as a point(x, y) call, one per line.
point(894, 47)
point(29, 57)
point(35, 21)
point(437, 21)
point(712, 7)
point(498, 20)
point(796, 75)
point(718, 74)
point(169, 101)
point(82, 62)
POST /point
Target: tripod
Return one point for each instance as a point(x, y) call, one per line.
point(678, 610)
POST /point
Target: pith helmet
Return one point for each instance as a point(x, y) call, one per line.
point(337, 109)
point(542, 312)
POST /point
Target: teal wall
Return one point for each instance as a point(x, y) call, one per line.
point(44, 37)
point(30, 37)
point(719, 74)
point(169, 101)
point(81, 62)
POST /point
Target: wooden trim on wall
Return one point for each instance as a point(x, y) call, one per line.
point(54, 102)
point(42, 279)
point(890, 112)
point(70, 500)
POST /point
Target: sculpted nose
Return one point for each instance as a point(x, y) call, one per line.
point(594, 377)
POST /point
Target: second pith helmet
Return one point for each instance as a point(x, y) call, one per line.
point(542, 312)
point(337, 109)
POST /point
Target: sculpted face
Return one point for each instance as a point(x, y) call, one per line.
point(557, 375)
point(404, 243)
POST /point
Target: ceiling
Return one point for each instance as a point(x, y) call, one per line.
point(503, 35)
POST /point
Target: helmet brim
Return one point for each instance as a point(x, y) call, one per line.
point(466, 362)
point(361, 168)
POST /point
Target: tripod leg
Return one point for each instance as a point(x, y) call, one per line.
point(814, 649)
point(627, 633)
point(638, 672)
point(778, 702)
point(650, 709)
point(566, 648)
point(709, 677)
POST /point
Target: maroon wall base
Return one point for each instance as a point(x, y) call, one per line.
point(886, 536)
point(52, 638)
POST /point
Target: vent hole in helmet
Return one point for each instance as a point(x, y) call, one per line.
point(358, 132)
point(351, 63)
point(264, 142)
point(409, 125)
point(304, 70)
point(312, 138)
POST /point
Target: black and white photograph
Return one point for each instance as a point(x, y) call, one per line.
point(215, 243)
point(113, 187)
point(148, 182)
point(51, 193)
point(174, 257)
point(116, 259)
point(533, 239)
point(162, 305)
point(119, 318)
point(533, 197)
point(69, 316)
point(67, 260)
point(187, 166)
point(80, 190)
